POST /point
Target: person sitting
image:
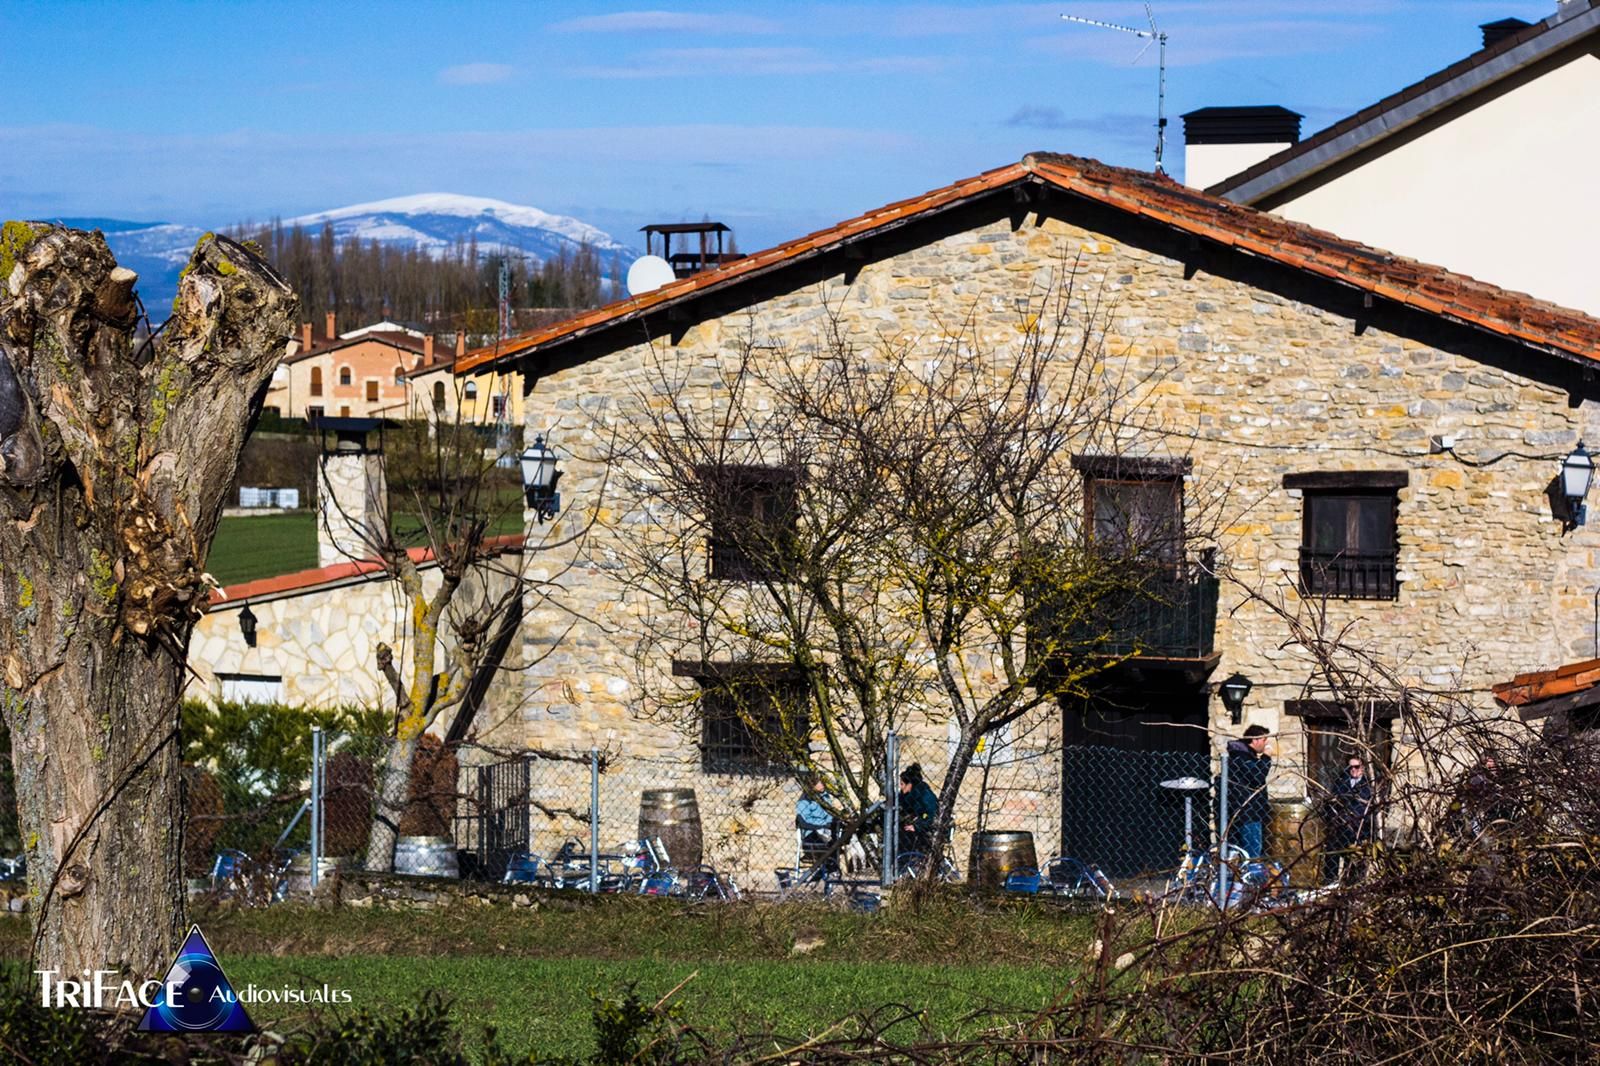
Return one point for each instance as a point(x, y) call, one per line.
point(918, 808)
point(817, 827)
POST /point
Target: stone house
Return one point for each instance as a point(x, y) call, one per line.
point(1497, 134)
point(1388, 432)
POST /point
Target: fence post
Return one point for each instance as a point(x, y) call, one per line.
point(1222, 844)
point(316, 806)
point(891, 800)
point(594, 820)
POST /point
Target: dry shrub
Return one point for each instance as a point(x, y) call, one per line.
point(204, 801)
point(347, 804)
point(431, 793)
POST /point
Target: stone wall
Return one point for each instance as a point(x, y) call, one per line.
point(1245, 370)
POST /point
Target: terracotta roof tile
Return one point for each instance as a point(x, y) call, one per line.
point(1419, 285)
point(1548, 684)
point(308, 580)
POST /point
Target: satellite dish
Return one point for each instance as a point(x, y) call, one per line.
point(648, 273)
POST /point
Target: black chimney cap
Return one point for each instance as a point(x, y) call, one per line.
point(1267, 124)
point(1495, 32)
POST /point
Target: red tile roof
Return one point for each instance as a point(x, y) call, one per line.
point(304, 581)
point(1427, 288)
point(403, 341)
point(1548, 684)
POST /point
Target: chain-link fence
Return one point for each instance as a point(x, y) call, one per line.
point(1081, 816)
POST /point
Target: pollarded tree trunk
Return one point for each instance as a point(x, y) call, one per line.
point(114, 461)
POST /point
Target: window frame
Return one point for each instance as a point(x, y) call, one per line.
point(374, 390)
point(726, 742)
point(725, 559)
point(316, 381)
point(1098, 470)
point(346, 376)
point(1346, 573)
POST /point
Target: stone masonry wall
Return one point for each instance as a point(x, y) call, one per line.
point(1251, 384)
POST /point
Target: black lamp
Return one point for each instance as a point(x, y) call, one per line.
point(539, 478)
point(1577, 470)
point(247, 626)
point(1233, 692)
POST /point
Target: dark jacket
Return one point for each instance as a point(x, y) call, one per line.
point(1350, 809)
point(1247, 784)
point(918, 808)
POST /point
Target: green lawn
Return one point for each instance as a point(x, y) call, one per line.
point(256, 546)
point(545, 1004)
point(530, 973)
point(247, 548)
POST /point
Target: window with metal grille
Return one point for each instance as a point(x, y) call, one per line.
point(752, 721)
point(753, 518)
point(1348, 546)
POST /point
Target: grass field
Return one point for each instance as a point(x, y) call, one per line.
point(257, 546)
point(531, 973)
point(265, 545)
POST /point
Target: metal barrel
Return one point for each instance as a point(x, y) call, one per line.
point(299, 875)
point(997, 852)
point(672, 816)
point(426, 857)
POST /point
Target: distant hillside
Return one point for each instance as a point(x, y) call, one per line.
point(443, 227)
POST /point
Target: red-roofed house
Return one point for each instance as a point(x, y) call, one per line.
point(1387, 431)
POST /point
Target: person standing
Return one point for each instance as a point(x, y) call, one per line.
point(1349, 821)
point(1248, 807)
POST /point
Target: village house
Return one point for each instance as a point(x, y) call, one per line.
point(357, 374)
point(1390, 433)
point(1505, 133)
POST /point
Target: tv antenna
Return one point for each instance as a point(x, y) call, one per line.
point(1151, 36)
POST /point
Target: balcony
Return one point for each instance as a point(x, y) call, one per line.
point(1349, 575)
point(1171, 616)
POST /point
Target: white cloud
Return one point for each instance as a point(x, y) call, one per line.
point(683, 22)
point(476, 74)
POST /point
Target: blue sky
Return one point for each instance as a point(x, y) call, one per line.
point(777, 118)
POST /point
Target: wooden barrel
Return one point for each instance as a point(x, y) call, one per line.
point(672, 816)
point(1294, 842)
point(299, 877)
point(997, 852)
point(426, 857)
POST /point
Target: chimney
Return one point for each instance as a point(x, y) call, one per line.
point(1219, 142)
point(331, 334)
point(427, 348)
point(351, 498)
point(305, 336)
point(1495, 32)
point(461, 343)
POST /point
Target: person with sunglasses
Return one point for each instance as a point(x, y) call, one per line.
point(1349, 821)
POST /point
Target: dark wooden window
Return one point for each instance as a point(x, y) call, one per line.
point(313, 414)
point(372, 391)
point(753, 520)
point(438, 396)
point(1348, 544)
point(470, 391)
point(753, 718)
point(1135, 506)
point(316, 381)
point(1337, 730)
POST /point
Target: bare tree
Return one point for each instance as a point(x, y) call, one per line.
point(115, 458)
point(453, 542)
point(838, 541)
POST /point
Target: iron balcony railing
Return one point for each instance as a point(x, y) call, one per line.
point(1347, 575)
point(1168, 613)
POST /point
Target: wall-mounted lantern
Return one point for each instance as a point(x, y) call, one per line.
point(247, 626)
point(1577, 470)
point(539, 478)
point(1234, 691)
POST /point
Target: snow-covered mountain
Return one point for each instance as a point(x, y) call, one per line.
point(433, 221)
